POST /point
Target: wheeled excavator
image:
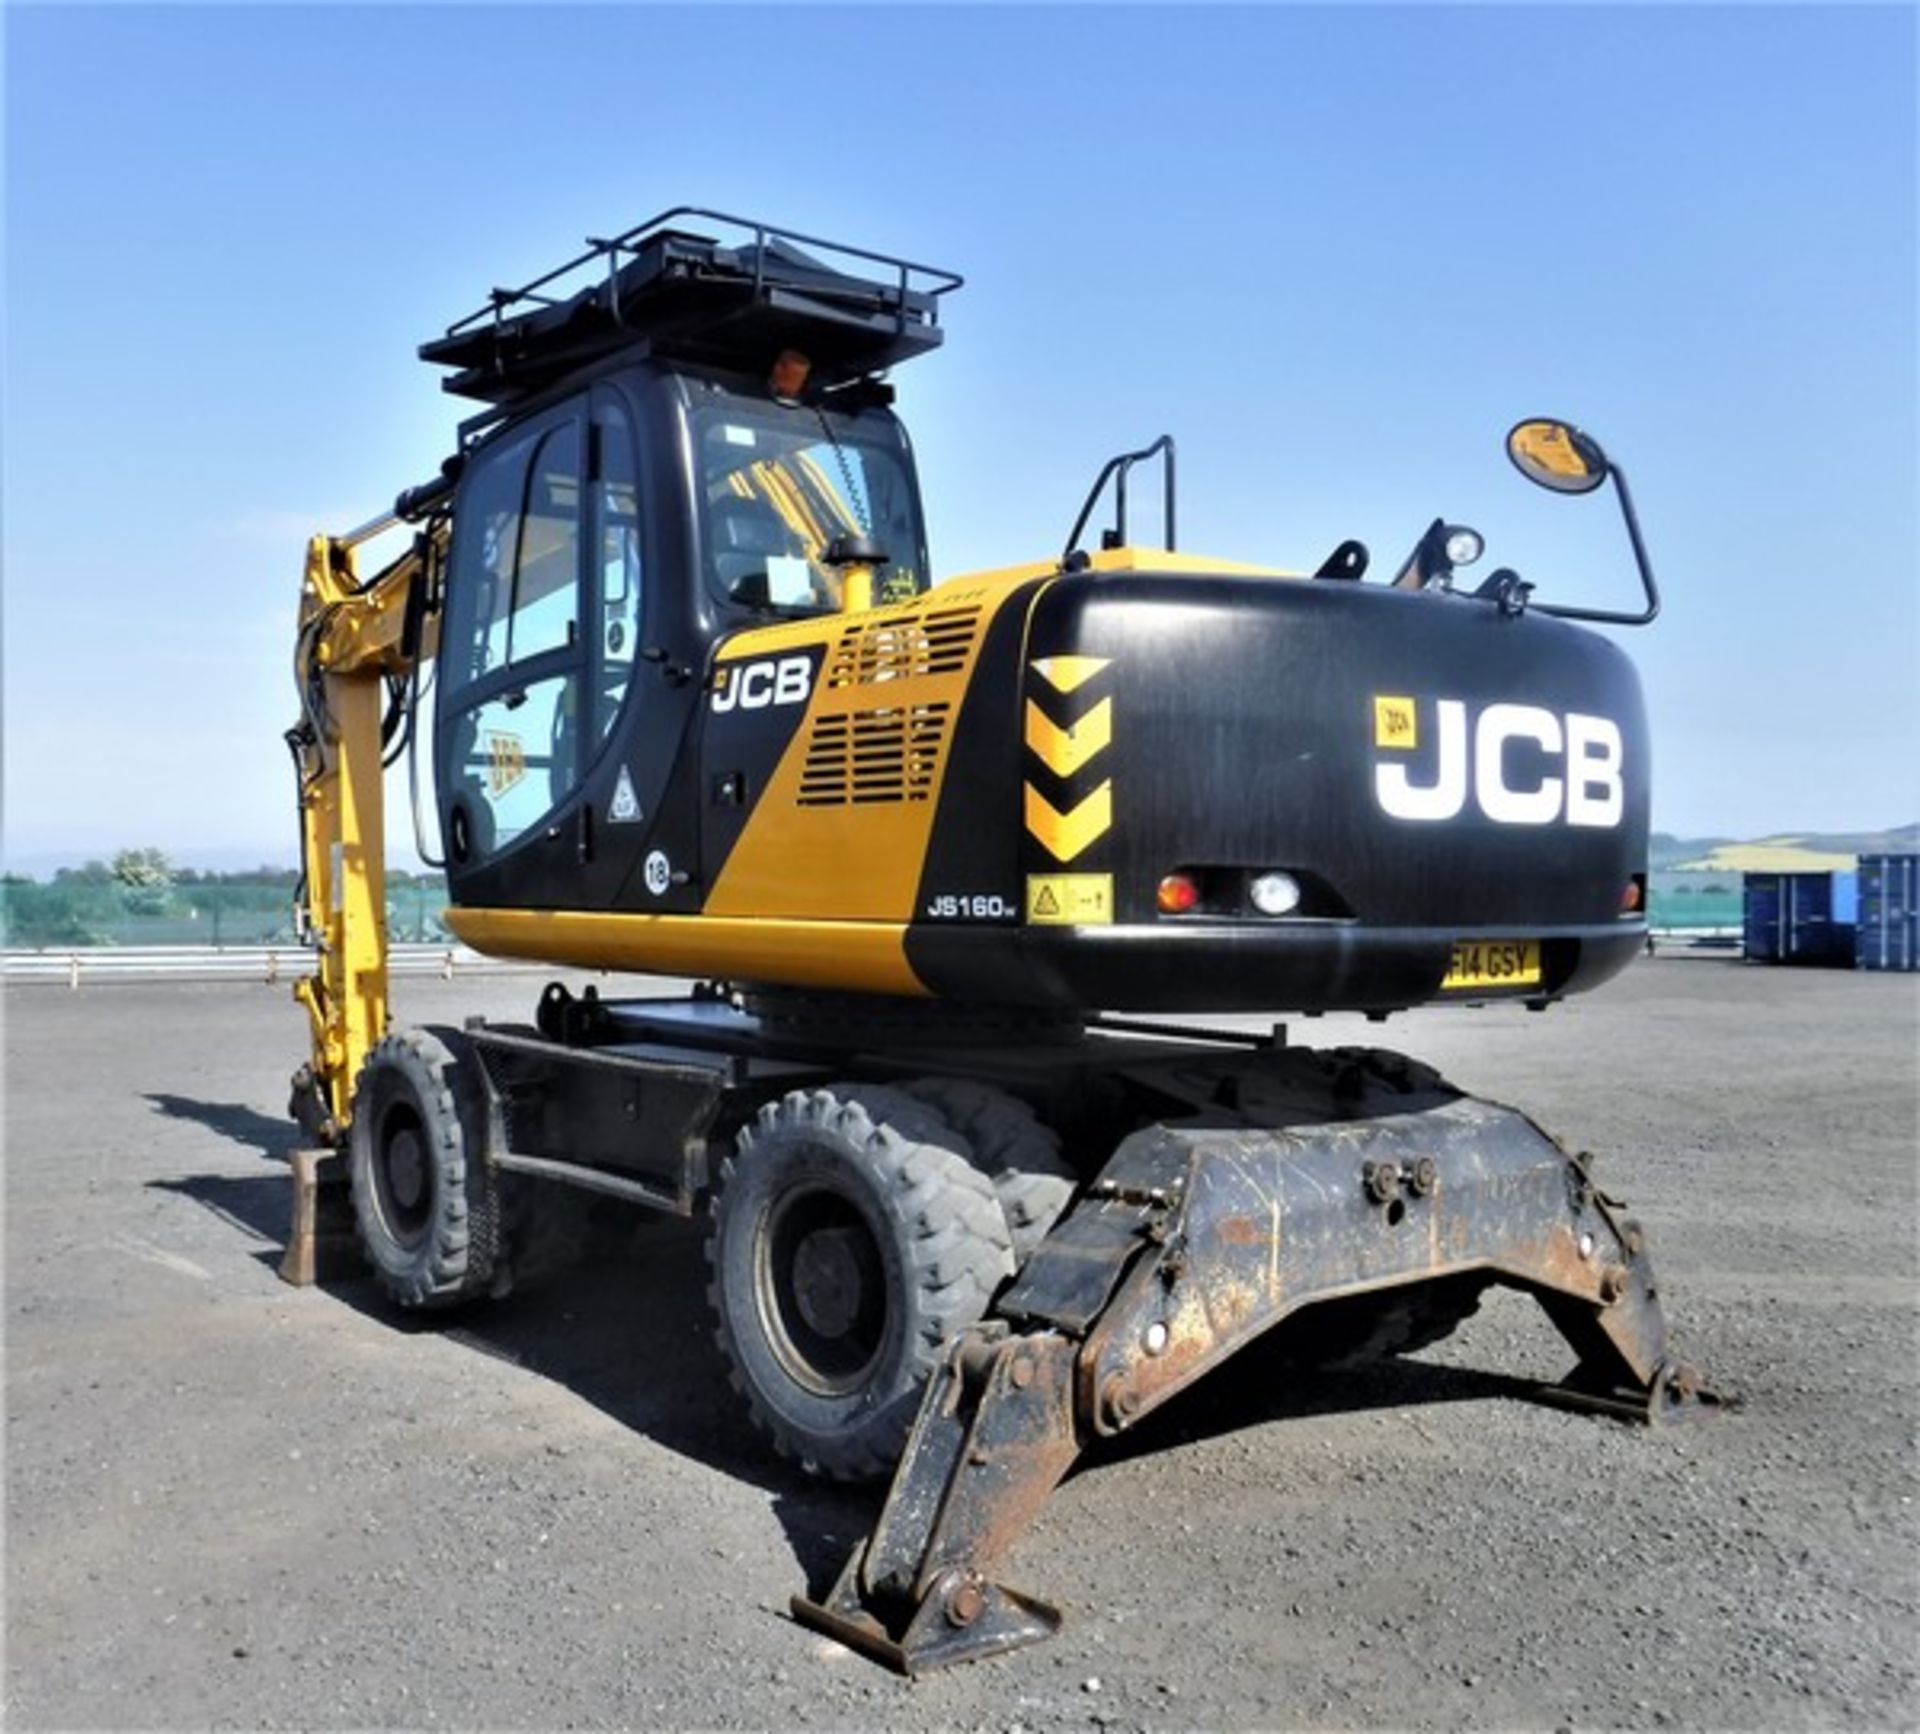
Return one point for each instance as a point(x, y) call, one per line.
point(942, 861)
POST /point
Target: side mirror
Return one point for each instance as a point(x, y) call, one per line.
point(1557, 455)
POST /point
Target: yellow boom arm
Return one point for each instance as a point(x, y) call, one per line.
point(352, 655)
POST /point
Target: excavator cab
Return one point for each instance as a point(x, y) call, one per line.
point(662, 464)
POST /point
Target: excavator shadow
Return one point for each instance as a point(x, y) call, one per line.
point(272, 1136)
point(1262, 1389)
point(628, 1330)
point(260, 1203)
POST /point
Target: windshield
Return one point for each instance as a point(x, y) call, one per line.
point(777, 483)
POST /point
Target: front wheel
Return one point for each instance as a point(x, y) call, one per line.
point(425, 1201)
point(852, 1241)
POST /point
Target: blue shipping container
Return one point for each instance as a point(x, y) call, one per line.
point(1889, 924)
point(1801, 917)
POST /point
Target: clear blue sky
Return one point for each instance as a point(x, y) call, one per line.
point(1334, 251)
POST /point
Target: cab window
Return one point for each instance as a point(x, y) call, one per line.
point(616, 575)
point(778, 483)
point(511, 654)
point(517, 561)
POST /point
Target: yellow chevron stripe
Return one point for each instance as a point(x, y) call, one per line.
point(1065, 835)
point(1064, 750)
point(1069, 673)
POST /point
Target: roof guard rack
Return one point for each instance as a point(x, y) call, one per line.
point(733, 305)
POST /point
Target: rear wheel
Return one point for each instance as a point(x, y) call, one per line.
point(1359, 1329)
point(425, 1202)
point(1013, 1148)
point(852, 1241)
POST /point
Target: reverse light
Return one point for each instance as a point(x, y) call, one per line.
point(1275, 893)
point(1178, 893)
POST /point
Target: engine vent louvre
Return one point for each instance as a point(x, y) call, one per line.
point(935, 642)
point(870, 756)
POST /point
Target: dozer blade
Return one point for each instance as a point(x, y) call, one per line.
point(1192, 1242)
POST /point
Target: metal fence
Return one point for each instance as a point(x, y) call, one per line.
point(77, 929)
point(81, 965)
point(73, 912)
point(1693, 902)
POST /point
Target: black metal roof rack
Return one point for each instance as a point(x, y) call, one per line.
point(731, 304)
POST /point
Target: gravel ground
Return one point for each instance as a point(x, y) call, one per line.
point(234, 1504)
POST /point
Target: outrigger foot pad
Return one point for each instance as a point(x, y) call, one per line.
point(1675, 1394)
point(962, 1618)
point(1345, 1175)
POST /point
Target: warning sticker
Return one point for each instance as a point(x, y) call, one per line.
point(1070, 899)
point(625, 806)
point(1394, 724)
point(506, 762)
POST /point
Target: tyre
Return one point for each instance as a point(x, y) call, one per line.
point(852, 1240)
point(1011, 1146)
point(545, 1229)
point(425, 1201)
point(1338, 1335)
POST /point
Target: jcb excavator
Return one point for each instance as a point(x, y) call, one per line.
point(699, 709)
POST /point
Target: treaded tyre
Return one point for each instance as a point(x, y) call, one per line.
point(852, 1241)
point(1013, 1148)
point(1356, 1330)
point(544, 1228)
point(425, 1201)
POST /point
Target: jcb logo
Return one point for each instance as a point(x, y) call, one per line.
point(755, 685)
point(1588, 748)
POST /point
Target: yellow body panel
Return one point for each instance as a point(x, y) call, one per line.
point(865, 956)
point(858, 861)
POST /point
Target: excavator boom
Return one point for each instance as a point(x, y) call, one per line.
point(359, 648)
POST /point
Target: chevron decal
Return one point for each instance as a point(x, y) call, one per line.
point(1068, 673)
point(1064, 750)
point(1065, 835)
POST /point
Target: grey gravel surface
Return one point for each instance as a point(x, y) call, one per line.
point(234, 1504)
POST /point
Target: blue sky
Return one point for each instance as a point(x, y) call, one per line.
point(1335, 252)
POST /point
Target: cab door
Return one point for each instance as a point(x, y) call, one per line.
point(513, 666)
point(556, 733)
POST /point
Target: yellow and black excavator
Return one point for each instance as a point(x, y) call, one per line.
point(928, 852)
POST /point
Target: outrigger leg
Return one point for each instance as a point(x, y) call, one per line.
point(1191, 1242)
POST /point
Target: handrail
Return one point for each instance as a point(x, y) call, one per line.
point(628, 241)
point(1117, 468)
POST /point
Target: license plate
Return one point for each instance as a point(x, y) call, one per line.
point(1494, 963)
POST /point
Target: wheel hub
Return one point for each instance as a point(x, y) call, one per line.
point(822, 1290)
point(403, 1176)
point(406, 1171)
point(826, 1280)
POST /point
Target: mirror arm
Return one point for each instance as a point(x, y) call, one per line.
point(1615, 617)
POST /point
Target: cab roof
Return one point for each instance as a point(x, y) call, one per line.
point(664, 289)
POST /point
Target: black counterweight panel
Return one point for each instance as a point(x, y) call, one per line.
point(1252, 727)
point(1435, 769)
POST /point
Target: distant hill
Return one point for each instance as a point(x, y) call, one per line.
point(1787, 852)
